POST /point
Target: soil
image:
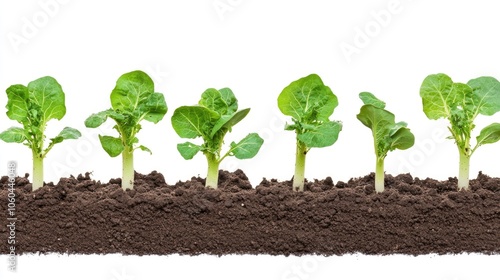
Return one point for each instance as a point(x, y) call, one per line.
point(413, 216)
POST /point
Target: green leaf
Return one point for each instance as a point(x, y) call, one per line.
point(95, 120)
point(486, 95)
point(489, 134)
point(291, 127)
point(437, 95)
point(375, 118)
point(370, 99)
point(48, 95)
point(113, 146)
point(123, 118)
point(193, 121)
point(188, 150)
point(65, 134)
point(380, 121)
point(307, 99)
point(228, 121)
point(323, 135)
point(13, 135)
point(69, 133)
point(212, 99)
point(248, 147)
point(18, 103)
point(402, 139)
point(396, 127)
point(131, 90)
point(230, 100)
point(154, 108)
point(144, 149)
point(388, 135)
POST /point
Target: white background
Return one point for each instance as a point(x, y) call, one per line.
point(256, 48)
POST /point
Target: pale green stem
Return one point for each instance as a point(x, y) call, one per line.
point(128, 168)
point(37, 171)
point(379, 175)
point(463, 172)
point(300, 166)
point(212, 180)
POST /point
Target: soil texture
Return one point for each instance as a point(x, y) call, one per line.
point(79, 215)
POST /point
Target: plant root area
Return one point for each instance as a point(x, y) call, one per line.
point(413, 216)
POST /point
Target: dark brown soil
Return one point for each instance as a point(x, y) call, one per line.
point(413, 216)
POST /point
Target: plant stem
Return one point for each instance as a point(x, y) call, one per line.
point(212, 180)
point(128, 168)
point(37, 171)
point(463, 172)
point(300, 167)
point(379, 175)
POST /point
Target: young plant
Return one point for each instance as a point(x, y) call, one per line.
point(461, 104)
point(213, 117)
point(387, 134)
point(310, 103)
point(132, 100)
point(33, 106)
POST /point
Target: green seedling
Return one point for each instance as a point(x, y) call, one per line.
point(310, 104)
point(387, 134)
point(33, 106)
point(461, 104)
point(213, 117)
point(132, 100)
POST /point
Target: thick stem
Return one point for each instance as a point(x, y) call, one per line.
point(463, 172)
point(128, 168)
point(37, 171)
point(212, 180)
point(379, 175)
point(300, 166)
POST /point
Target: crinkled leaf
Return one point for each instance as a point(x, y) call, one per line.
point(248, 147)
point(123, 117)
point(486, 95)
point(212, 99)
point(48, 95)
point(95, 120)
point(231, 101)
point(13, 135)
point(113, 146)
point(188, 150)
point(323, 135)
point(154, 108)
point(370, 99)
point(307, 99)
point(18, 103)
point(489, 134)
point(228, 121)
point(131, 90)
point(69, 133)
point(402, 139)
point(65, 134)
point(193, 121)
